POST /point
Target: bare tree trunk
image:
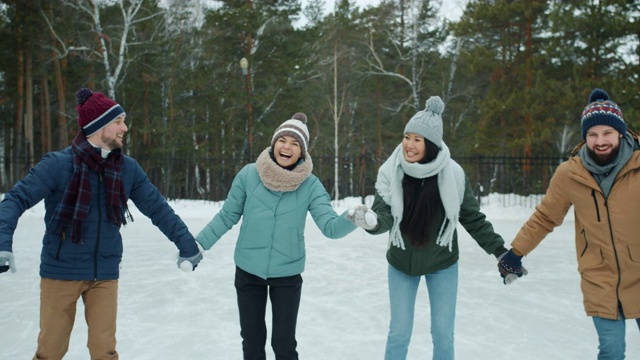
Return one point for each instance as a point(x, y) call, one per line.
point(17, 140)
point(379, 123)
point(3, 167)
point(336, 121)
point(29, 107)
point(377, 66)
point(455, 120)
point(146, 136)
point(45, 123)
point(172, 81)
point(528, 85)
point(349, 152)
point(113, 73)
point(128, 14)
point(248, 43)
point(63, 138)
point(92, 77)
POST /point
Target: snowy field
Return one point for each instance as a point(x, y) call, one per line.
point(166, 314)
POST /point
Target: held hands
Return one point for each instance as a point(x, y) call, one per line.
point(189, 264)
point(361, 216)
point(510, 267)
point(7, 261)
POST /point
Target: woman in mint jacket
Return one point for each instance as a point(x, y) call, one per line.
point(273, 197)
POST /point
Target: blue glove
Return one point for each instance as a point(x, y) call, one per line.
point(7, 261)
point(189, 264)
point(510, 267)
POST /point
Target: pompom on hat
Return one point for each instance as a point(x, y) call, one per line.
point(601, 111)
point(95, 110)
point(295, 127)
point(428, 122)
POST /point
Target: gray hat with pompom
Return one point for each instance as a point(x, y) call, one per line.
point(295, 127)
point(428, 122)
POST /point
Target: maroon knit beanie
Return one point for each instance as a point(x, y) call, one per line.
point(95, 110)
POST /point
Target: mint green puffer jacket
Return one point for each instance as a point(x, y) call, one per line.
point(271, 240)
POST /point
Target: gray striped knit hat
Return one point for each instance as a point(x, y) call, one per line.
point(295, 127)
point(428, 122)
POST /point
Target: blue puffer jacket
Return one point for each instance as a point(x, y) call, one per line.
point(98, 255)
point(271, 240)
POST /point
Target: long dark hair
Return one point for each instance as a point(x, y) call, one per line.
point(421, 202)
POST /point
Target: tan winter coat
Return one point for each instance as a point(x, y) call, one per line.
point(607, 234)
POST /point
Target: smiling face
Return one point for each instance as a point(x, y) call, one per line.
point(413, 147)
point(603, 143)
point(110, 137)
point(287, 151)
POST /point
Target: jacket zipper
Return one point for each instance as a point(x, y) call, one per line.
point(595, 201)
point(615, 252)
point(60, 244)
point(95, 250)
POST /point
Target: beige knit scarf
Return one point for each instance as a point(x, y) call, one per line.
point(276, 178)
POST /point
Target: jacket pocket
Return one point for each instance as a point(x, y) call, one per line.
point(634, 253)
point(296, 244)
point(590, 259)
point(293, 246)
point(254, 240)
point(586, 243)
point(59, 253)
point(59, 248)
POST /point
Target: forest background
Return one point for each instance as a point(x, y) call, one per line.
point(515, 76)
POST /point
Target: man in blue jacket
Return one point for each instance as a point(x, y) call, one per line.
point(85, 188)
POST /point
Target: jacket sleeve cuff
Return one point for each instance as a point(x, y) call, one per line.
point(499, 251)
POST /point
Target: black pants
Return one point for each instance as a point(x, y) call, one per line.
point(285, 294)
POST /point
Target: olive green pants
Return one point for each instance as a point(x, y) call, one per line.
point(58, 299)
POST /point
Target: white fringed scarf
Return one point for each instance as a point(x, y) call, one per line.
point(451, 183)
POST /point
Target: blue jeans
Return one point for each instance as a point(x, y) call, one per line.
point(443, 289)
point(611, 335)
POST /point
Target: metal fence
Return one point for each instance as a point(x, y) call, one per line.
point(517, 180)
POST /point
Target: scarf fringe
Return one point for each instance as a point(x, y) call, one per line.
point(451, 183)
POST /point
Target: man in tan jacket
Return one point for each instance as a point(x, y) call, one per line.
point(601, 180)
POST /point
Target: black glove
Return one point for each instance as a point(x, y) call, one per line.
point(510, 267)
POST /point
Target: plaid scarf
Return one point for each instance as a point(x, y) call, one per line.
point(76, 201)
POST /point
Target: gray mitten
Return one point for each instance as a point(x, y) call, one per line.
point(188, 264)
point(7, 261)
point(361, 216)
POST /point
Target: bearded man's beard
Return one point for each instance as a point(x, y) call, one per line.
point(604, 159)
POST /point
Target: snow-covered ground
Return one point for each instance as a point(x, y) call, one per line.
point(165, 313)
